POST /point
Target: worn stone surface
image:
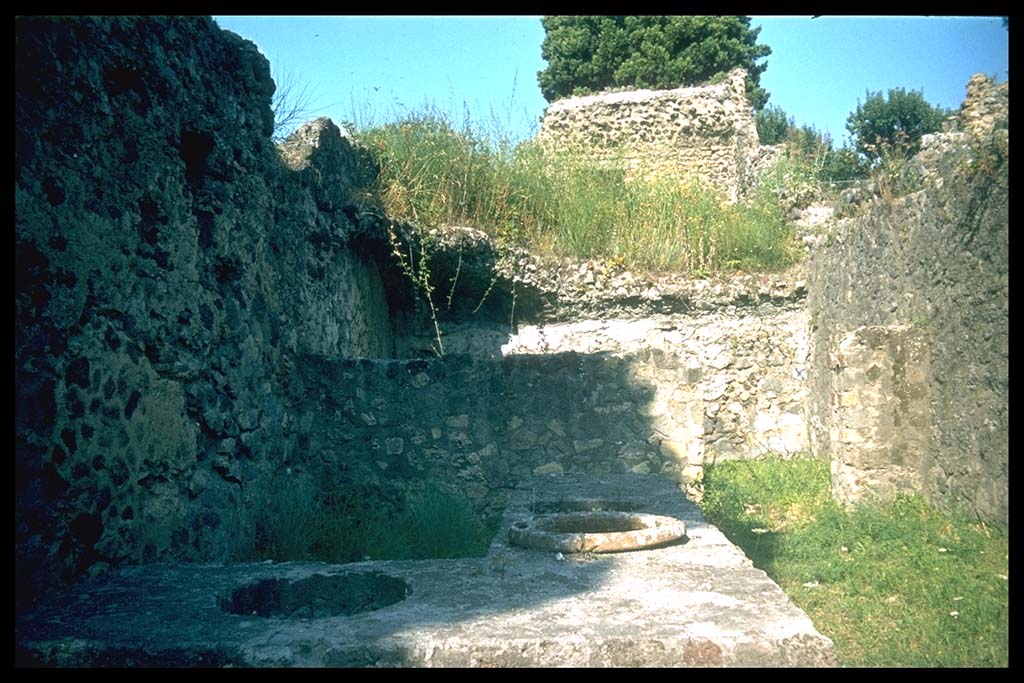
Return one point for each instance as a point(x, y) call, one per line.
point(698, 603)
point(704, 133)
point(936, 260)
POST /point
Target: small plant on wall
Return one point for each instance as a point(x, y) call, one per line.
point(414, 260)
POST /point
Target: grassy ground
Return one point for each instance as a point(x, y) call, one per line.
point(435, 174)
point(899, 585)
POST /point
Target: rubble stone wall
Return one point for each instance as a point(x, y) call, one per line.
point(169, 267)
point(662, 396)
point(199, 313)
point(909, 307)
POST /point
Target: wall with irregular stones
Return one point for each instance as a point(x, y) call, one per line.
point(169, 267)
point(645, 396)
point(747, 369)
point(909, 308)
point(190, 302)
point(182, 286)
point(656, 394)
point(704, 133)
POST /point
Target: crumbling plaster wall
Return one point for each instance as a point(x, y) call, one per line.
point(702, 133)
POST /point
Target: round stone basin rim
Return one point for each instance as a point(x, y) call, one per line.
point(596, 532)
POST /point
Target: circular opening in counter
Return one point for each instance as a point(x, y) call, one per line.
point(318, 596)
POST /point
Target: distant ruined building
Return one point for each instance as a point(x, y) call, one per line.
point(705, 134)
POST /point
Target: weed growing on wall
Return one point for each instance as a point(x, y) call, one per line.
point(414, 260)
point(291, 103)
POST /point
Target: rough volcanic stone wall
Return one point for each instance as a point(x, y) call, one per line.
point(704, 133)
point(169, 268)
point(481, 424)
point(929, 270)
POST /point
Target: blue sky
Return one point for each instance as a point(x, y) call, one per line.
point(374, 69)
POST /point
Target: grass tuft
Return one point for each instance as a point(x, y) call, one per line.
point(434, 524)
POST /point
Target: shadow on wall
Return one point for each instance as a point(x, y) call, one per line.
point(483, 424)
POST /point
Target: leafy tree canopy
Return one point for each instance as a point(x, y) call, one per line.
point(893, 124)
point(772, 125)
point(589, 54)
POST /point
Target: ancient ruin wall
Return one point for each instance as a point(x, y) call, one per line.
point(909, 310)
point(169, 268)
point(185, 292)
point(703, 133)
point(179, 278)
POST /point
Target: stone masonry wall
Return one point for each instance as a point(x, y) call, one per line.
point(704, 133)
point(909, 308)
point(879, 427)
point(663, 394)
point(718, 389)
point(747, 369)
point(199, 313)
point(186, 294)
point(169, 269)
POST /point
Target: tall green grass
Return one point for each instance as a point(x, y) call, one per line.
point(893, 585)
point(436, 174)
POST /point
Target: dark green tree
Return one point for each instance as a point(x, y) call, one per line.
point(589, 54)
point(772, 125)
point(893, 124)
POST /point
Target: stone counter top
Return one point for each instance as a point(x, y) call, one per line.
point(696, 603)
